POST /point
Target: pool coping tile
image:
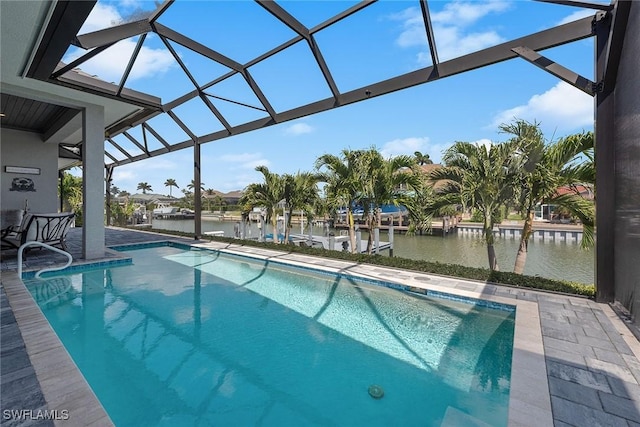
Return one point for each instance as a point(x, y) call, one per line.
point(79, 399)
point(530, 397)
point(529, 393)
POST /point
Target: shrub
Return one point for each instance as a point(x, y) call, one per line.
point(473, 273)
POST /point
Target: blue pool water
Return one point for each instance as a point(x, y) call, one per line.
point(189, 337)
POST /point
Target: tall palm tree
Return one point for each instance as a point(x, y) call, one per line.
point(208, 195)
point(187, 199)
point(544, 169)
point(266, 195)
point(479, 177)
point(343, 177)
point(114, 190)
point(170, 182)
point(192, 185)
point(300, 192)
point(144, 186)
point(420, 207)
point(382, 184)
point(423, 159)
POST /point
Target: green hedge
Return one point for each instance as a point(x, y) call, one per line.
point(482, 274)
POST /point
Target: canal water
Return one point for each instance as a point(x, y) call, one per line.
point(559, 260)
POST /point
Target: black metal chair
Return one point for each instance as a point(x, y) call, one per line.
point(45, 228)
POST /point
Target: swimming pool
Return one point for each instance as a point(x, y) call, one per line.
point(200, 337)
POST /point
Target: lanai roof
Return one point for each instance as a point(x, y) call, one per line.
point(234, 94)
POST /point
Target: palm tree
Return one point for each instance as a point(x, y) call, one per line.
point(343, 177)
point(124, 193)
point(266, 195)
point(218, 201)
point(70, 190)
point(422, 159)
point(144, 186)
point(209, 192)
point(546, 168)
point(170, 182)
point(187, 199)
point(114, 190)
point(382, 184)
point(420, 207)
point(479, 177)
point(300, 192)
point(192, 185)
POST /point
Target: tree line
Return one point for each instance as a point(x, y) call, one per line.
point(518, 174)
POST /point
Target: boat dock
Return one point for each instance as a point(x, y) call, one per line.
point(443, 226)
point(173, 214)
point(541, 231)
point(339, 243)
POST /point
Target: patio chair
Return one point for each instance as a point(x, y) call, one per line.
point(10, 218)
point(49, 228)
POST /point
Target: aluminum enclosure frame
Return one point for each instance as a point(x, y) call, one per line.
point(608, 25)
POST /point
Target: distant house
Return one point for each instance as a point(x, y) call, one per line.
point(428, 169)
point(145, 199)
point(586, 191)
point(230, 198)
point(548, 212)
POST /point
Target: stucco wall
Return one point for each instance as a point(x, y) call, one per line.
point(27, 150)
point(627, 163)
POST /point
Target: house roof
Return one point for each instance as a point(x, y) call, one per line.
point(585, 191)
point(34, 105)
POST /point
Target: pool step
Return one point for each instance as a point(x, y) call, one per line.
point(454, 418)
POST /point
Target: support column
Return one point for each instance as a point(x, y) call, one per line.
point(605, 172)
point(93, 240)
point(109, 181)
point(61, 189)
point(197, 192)
point(626, 140)
point(391, 236)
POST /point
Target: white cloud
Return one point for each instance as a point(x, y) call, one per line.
point(245, 160)
point(407, 146)
point(255, 163)
point(298, 129)
point(487, 143)
point(101, 16)
point(144, 170)
point(452, 36)
point(239, 182)
point(562, 107)
point(466, 13)
point(575, 16)
point(131, 3)
point(452, 43)
point(110, 64)
point(122, 175)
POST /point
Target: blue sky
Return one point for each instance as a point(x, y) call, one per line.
point(384, 40)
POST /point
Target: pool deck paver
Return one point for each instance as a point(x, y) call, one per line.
point(590, 360)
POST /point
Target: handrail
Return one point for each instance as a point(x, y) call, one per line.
point(44, 245)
